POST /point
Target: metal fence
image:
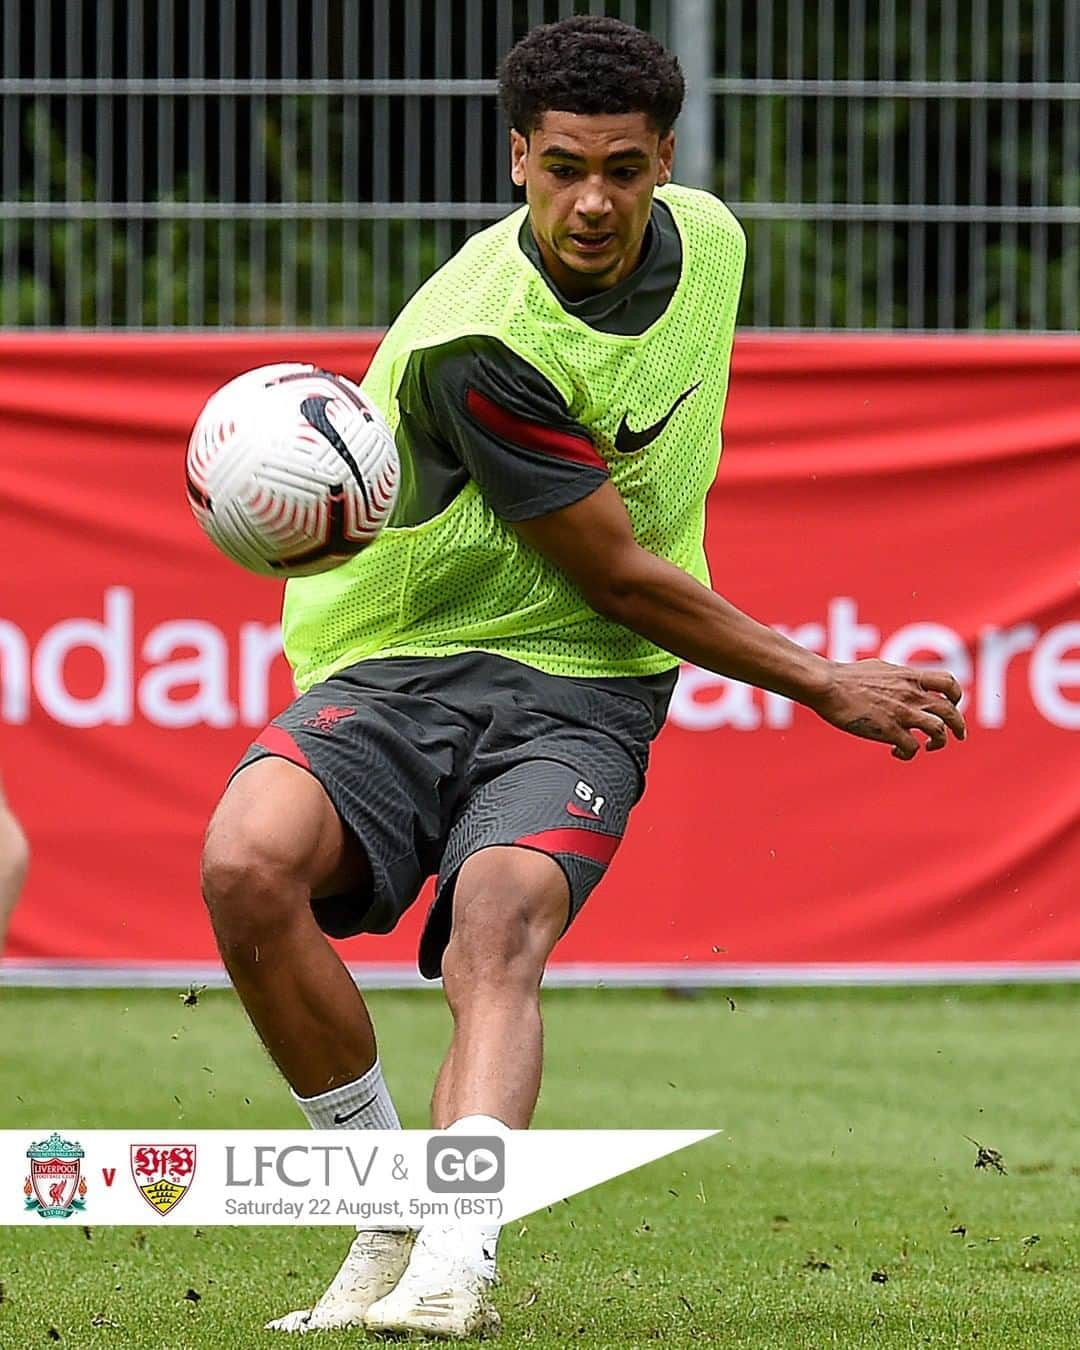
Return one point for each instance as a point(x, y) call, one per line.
point(199, 163)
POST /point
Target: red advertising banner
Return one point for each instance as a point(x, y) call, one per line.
point(915, 498)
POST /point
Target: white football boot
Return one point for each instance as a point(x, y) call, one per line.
point(440, 1295)
point(374, 1264)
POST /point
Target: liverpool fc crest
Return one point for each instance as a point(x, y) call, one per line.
point(55, 1186)
point(163, 1173)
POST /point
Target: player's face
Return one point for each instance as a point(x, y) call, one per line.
point(589, 182)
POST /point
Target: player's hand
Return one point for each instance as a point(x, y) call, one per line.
point(883, 702)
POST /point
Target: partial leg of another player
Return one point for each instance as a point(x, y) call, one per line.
point(14, 862)
point(509, 907)
point(274, 842)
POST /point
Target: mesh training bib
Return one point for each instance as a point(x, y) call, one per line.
point(464, 581)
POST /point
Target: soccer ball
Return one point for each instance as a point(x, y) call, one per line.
point(291, 470)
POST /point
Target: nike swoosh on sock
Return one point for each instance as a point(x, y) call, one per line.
point(340, 1119)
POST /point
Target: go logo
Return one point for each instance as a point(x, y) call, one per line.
point(466, 1164)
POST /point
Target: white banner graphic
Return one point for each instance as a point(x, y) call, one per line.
point(374, 1178)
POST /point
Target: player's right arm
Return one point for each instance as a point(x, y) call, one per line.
point(593, 542)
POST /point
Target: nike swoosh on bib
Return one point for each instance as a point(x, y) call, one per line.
point(628, 441)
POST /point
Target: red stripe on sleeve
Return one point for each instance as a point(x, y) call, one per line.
point(278, 741)
point(508, 426)
point(585, 843)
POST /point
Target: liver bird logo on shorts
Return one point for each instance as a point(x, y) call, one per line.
point(326, 719)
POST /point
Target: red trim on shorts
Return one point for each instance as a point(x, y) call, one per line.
point(508, 426)
point(278, 741)
point(585, 843)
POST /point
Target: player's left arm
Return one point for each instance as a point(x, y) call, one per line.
point(593, 542)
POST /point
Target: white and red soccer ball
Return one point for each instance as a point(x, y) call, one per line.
point(291, 470)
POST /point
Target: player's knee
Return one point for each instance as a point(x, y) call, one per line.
point(249, 888)
point(492, 948)
point(509, 909)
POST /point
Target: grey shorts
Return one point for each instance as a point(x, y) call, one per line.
point(429, 760)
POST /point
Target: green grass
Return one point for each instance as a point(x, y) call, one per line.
point(843, 1153)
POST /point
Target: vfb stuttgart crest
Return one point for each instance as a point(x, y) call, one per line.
point(163, 1173)
point(55, 1186)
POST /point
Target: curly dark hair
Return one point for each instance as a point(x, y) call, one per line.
point(589, 65)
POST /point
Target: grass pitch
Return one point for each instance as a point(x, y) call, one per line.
point(840, 1207)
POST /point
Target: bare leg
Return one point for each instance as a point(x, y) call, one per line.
point(274, 842)
point(510, 905)
point(14, 862)
point(275, 839)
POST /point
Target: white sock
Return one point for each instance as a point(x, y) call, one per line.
point(475, 1242)
point(364, 1104)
